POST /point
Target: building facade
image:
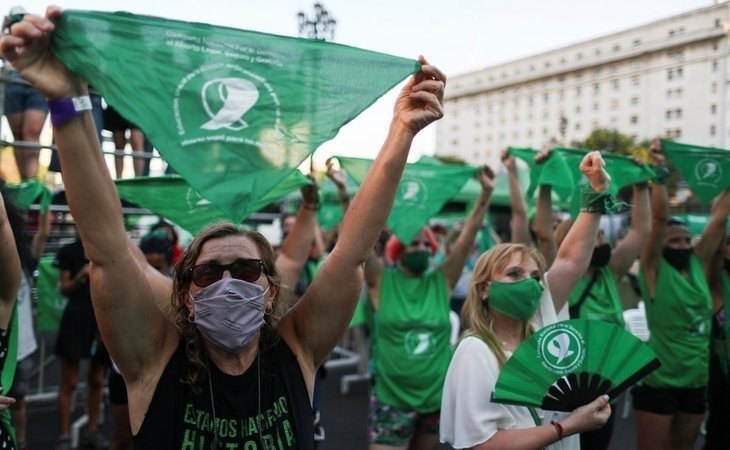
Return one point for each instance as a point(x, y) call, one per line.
point(665, 78)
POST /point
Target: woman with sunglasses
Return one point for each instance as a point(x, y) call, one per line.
point(510, 297)
point(411, 348)
point(237, 368)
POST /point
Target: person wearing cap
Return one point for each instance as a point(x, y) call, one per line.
point(670, 403)
point(25, 108)
point(412, 348)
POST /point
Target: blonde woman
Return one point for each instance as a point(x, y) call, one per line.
point(509, 298)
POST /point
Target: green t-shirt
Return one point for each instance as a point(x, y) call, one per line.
point(602, 302)
point(720, 346)
point(412, 351)
point(679, 322)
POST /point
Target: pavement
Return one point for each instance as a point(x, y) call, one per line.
point(344, 416)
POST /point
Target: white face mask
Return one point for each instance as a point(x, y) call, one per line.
point(230, 312)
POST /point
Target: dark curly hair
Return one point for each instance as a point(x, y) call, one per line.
point(194, 349)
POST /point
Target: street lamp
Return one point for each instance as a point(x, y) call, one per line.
point(321, 26)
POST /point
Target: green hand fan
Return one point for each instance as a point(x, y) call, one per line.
point(568, 364)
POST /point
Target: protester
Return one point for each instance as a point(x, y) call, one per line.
point(10, 275)
point(25, 108)
point(411, 349)
point(510, 297)
point(670, 403)
point(197, 366)
point(78, 338)
point(27, 343)
point(118, 125)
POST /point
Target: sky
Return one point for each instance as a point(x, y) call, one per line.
point(458, 36)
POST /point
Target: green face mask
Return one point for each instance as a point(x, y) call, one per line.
point(416, 262)
point(518, 300)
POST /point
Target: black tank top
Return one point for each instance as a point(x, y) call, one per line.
point(180, 419)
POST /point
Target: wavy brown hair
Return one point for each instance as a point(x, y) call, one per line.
point(476, 314)
point(189, 333)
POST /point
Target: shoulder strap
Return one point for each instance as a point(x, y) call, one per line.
point(574, 310)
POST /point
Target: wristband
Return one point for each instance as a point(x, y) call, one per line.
point(600, 202)
point(662, 175)
point(559, 429)
point(64, 109)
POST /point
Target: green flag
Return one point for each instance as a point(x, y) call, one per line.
point(706, 169)
point(424, 188)
point(28, 192)
point(172, 198)
point(221, 103)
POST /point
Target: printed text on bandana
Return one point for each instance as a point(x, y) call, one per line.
point(270, 430)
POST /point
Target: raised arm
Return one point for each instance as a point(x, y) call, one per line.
point(10, 270)
point(454, 263)
point(134, 330)
point(42, 234)
point(339, 178)
point(544, 217)
point(626, 251)
point(575, 251)
point(324, 312)
point(652, 252)
point(295, 248)
point(520, 227)
point(714, 233)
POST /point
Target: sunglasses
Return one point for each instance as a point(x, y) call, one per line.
point(248, 270)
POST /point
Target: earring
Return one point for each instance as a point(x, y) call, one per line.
point(191, 318)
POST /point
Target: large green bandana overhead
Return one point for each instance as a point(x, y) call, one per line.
point(706, 169)
point(174, 199)
point(218, 102)
point(424, 188)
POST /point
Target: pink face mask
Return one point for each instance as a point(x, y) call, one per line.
point(230, 312)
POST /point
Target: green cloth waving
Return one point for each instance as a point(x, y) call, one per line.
point(174, 199)
point(706, 169)
point(28, 192)
point(424, 188)
point(221, 103)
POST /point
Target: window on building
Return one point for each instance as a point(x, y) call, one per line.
point(636, 42)
point(561, 94)
point(489, 138)
point(713, 130)
point(578, 74)
point(680, 72)
point(668, 114)
point(545, 97)
point(577, 126)
point(577, 91)
point(532, 67)
point(713, 87)
point(547, 64)
point(530, 101)
point(577, 109)
point(545, 115)
point(715, 46)
point(718, 22)
point(596, 88)
point(504, 75)
point(635, 80)
point(476, 139)
point(614, 68)
point(635, 64)
point(678, 92)
point(671, 33)
point(544, 131)
point(715, 65)
point(595, 124)
point(616, 48)
point(614, 104)
point(579, 56)
point(455, 142)
point(634, 120)
point(615, 84)
point(597, 71)
point(634, 100)
point(491, 78)
point(713, 109)
point(477, 124)
point(595, 107)
point(515, 134)
point(562, 61)
point(681, 30)
point(597, 52)
point(678, 113)
point(670, 74)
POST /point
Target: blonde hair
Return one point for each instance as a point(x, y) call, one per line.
point(476, 314)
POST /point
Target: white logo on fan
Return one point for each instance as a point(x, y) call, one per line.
point(559, 347)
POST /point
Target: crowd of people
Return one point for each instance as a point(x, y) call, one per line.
point(221, 344)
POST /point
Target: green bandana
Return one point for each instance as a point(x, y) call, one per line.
point(706, 169)
point(221, 103)
point(423, 190)
point(28, 192)
point(518, 300)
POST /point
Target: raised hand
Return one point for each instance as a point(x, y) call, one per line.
point(337, 176)
point(310, 193)
point(508, 161)
point(655, 151)
point(593, 167)
point(486, 178)
point(27, 48)
point(420, 102)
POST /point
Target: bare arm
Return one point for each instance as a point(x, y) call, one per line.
point(323, 314)
point(520, 226)
point(626, 252)
point(575, 251)
point(10, 271)
point(544, 217)
point(136, 333)
point(652, 252)
point(586, 418)
point(295, 248)
point(713, 234)
point(454, 263)
point(41, 236)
